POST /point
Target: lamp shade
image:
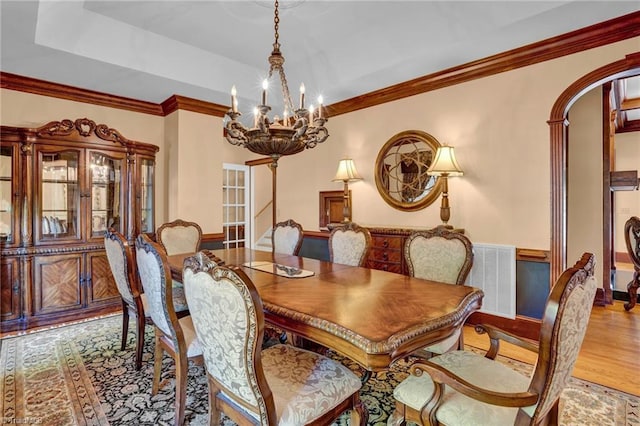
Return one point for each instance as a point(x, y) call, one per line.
point(347, 171)
point(445, 162)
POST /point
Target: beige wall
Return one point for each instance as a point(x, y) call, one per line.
point(584, 176)
point(195, 170)
point(170, 156)
point(498, 126)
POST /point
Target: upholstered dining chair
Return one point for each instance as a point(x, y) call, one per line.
point(632, 241)
point(349, 244)
point(441, 255)
point(172, 335)
point(279, 385)
point(287, 237)
point(179, 237)
point(123, 269)
point(134, 302)
point(463, 387)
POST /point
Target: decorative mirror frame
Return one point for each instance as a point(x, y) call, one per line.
point(417, 138)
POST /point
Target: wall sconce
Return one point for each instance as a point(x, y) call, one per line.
point(346, 173)
point(445, 166)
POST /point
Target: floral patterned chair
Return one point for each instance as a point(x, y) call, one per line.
point(464, 388)
point(287, 237)
point(179, 236)
point(440, 255)
point(632, 240)
point(134, 302)
point(172, 335)
point(280, 385)
point(349, 244)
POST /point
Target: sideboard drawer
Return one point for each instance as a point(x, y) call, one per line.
point(385, 255)
point(387, 241)
point(385, 266)
point(386, 251)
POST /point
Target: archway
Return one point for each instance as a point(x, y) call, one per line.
point(558, 125)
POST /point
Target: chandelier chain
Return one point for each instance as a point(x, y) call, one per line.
point(285, 88)
point(276, 21)
point(297, 130)
point(276, 61)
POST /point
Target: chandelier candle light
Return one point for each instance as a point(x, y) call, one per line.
point(297, 130)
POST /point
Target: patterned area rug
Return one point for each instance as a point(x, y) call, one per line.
point(77, 375)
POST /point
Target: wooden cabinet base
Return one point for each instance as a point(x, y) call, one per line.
point(32, 323)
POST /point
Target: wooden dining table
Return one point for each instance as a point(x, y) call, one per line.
point(371, 316)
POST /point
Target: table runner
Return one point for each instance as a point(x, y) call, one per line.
point(278, 269)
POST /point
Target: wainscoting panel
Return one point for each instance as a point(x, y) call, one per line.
point(494, 271)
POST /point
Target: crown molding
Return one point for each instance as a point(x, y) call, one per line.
point(603, 33)
point(62, 91)
point(176, 102)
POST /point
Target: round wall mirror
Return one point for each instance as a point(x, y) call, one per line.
point(401, 171)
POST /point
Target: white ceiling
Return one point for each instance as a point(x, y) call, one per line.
point(150, 50)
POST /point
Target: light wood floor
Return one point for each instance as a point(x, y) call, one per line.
point(610, 353)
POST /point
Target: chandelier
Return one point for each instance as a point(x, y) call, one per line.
point(297, 130)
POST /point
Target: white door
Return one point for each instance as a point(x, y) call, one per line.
point(235, 205)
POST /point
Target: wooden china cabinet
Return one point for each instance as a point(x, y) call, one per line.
point(62, 185)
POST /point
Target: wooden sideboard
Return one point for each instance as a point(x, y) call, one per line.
point(387, 248)
point(386, 252)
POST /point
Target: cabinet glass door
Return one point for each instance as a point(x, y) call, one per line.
point(106, 177)
point(6, 193)
point(147, 170)
point(59, 195)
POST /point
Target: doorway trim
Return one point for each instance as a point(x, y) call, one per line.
point(558, 126)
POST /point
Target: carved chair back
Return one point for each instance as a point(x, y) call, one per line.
point(564, 325)
point(172, 335)
point(155, 276)
point(179, 236)
point(281, 384)
point(349, 244)
point(123, 268)
point(632, 240)
point(287, 237)
point(229, 321)
point(121, 262)
point(439, 255)
point(463, 387)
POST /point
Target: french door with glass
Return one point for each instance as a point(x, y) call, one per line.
point(235, 205)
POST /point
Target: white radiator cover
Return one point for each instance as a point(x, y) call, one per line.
point(494, 271)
